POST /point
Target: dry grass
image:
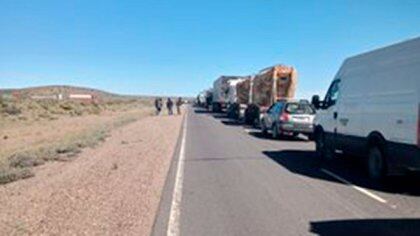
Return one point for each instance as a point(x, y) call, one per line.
point(18, 162)
point(35, 110)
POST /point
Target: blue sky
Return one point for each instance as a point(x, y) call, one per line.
point(180, 47)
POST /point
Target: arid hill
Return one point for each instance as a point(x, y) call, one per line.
point(65, 90)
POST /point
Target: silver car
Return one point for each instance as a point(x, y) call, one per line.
point(289, 117)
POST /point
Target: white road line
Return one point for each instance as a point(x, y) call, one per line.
point(173, 224)
point(360, 189)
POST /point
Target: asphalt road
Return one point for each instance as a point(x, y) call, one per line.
point(236, 182)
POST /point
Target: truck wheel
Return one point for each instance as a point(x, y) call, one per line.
point(376, 164)
point(323, 150)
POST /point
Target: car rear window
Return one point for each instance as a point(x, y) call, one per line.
point(299, 108)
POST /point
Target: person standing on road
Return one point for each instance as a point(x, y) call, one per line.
point(169, 105)
point(178, 105)
point(158, 105)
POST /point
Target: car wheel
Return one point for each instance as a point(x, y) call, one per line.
point(275, 131)
point(256, 122)
point(263, 128)
point(376, 164)
point(323, 150)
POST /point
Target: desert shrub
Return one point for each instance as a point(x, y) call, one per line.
point(8, 175)
point(25, 159)
point(22, 118)
point(12, 110)
point(76, 112)
point(45, 104)
point(66, 106)
point(68, 149)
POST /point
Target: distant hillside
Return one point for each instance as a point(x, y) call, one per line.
point(62, 89)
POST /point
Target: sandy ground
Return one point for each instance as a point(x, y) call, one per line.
point(113, 189)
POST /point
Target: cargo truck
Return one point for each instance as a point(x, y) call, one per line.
point(208, 99)
point(264, 89)
point(221, 91)
point(201, 99)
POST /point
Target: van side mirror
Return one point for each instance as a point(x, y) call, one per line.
point(315, 102)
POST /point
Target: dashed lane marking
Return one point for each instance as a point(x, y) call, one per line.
point(360, 189)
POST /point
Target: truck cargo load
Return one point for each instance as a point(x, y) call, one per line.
point(234, 97)
point(243, 91)
point(268, 86)
point(234, 89)
point(272, 84)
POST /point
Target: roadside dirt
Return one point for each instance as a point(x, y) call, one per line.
point(113, 189)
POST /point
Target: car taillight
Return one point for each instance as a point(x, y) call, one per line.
point(284, 117)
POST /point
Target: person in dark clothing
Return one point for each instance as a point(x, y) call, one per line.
point(178, 105)
point(158, 105)
point(169, 105)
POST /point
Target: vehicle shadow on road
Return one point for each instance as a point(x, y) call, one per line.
point(202, 111)
point(260, 135)
point(366, 227)
point(219, 116)
point(224, 159)
point(233, 122)
point(306, 163)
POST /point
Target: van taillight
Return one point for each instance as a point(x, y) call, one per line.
point(284, 117)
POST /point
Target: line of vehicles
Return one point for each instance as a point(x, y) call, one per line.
point(371, 109)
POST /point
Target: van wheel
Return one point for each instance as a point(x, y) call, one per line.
point(323, 150)
point(376, 164)
point(311, 137)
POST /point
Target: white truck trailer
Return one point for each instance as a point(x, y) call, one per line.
point(221, 89)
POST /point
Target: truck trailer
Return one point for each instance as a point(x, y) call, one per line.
point(221, 92)
point(268, 86)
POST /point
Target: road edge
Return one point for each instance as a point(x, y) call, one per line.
point(160, 223)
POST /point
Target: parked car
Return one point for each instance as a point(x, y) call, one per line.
point(288, 117)
point(372, 110)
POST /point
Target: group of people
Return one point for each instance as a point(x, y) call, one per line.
point(169, 105)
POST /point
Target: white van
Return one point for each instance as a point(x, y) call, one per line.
point(372, 110)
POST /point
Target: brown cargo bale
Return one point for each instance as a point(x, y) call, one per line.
point(243, 90)
point(274, 83)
